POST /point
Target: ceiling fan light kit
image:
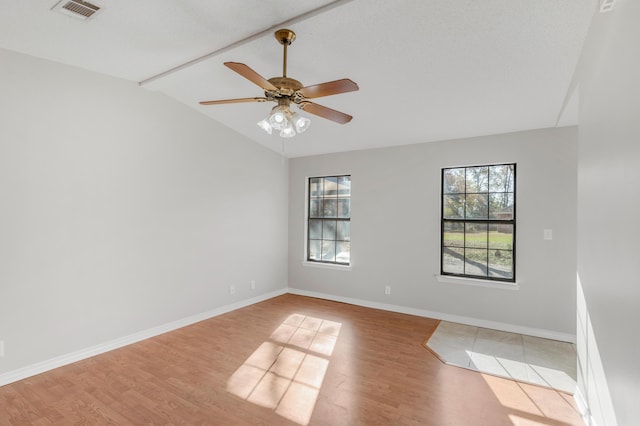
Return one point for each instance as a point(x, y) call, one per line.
point(282, 118)
point(285, 91)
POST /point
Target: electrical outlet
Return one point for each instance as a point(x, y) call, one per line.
point(253, 284)
point(548, 234)
point(232, 289)
point(1, 348)
point(387, 289)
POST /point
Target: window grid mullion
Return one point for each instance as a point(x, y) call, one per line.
point(322, 197)
point(510, 185)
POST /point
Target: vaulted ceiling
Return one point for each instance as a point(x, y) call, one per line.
point(427, 69)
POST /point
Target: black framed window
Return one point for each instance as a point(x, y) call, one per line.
point(478, 230)
point(329, 220)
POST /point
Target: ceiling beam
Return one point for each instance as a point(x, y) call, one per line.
point(269, 31)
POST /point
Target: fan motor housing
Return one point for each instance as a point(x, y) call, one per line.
point(286, 86)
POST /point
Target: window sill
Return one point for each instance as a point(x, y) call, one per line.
point(449, 279)
point(326, 266)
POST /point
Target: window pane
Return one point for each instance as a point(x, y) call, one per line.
point(475, 262)
point(315, 229)
point(453, 260)
point(329, 251)
point(330, 186)
point(477, 206)
point(453, 206)
point(476, 235)
point(453, 234)
point(315, 187)
point(343, 231)
point(344, 207)
point(343, 254)
point(344, 186)
point(314, 208)
point(329, 230)
point(453, 181)
point(477, 179)
point(501, 178)
point(501, 236)
point(501, 206)
point(478, 221)
point(327, 237)
point(329, 207)
point(314, 249)
point(501, 263)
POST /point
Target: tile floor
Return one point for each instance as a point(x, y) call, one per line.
point(525, 358)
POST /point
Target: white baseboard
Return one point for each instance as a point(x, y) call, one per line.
point(41, 367)
point(528, 331)
point(583, 408)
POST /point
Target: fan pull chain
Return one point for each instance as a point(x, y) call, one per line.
point(282, 151)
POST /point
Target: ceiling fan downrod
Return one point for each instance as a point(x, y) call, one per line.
point(285, 37)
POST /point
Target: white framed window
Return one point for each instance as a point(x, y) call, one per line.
point(478, 226)
point(329, 220)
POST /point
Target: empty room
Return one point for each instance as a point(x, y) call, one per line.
point(330, 212)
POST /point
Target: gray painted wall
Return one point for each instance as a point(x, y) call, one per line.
point(396, 224)
point(608, 219)
point(123, 210)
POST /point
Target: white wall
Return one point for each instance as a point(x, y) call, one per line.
point(609, 216)
point(122, 210)
point(395, 230)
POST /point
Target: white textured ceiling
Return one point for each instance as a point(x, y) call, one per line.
point(427, 69)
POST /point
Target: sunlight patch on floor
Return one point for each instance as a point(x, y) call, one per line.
point(286, 372)
point(522, 400)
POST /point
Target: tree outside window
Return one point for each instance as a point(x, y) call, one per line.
point(478, 222)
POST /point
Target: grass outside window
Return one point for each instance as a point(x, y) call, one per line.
point(478, 222)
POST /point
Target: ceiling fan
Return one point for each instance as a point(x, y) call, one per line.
point(285, 91)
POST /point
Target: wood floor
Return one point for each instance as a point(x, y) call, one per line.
point(291, 360)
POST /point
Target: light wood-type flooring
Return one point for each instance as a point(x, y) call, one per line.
point(290, 360)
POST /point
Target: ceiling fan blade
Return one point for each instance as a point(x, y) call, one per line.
point(330, 88)
point(251, 75)
point(233, 101)
point(324, 112)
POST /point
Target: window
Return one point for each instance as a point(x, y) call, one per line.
point(479, 222)
point(329, 220)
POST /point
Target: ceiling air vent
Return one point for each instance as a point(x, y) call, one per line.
point(76, 8)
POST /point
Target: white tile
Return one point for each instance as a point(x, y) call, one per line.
point(454, 335)
point(556, 379)
point(462, 332)
point(516, 370)
point(487, 364)
point(534, 377)
point(453, 355)
point(551, 354)
point(528, 359)
point(499, 344)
